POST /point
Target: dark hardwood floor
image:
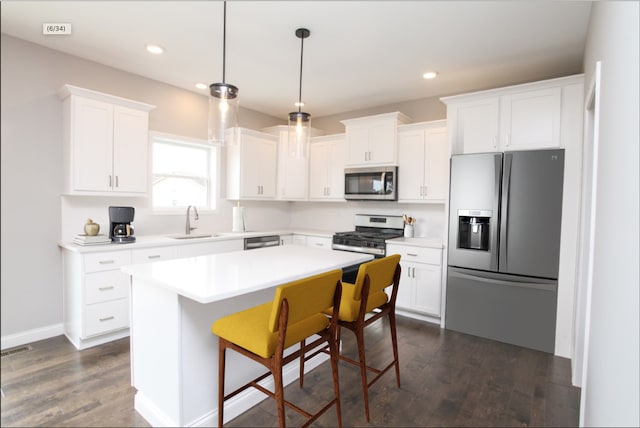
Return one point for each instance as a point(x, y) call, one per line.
point(448, 379)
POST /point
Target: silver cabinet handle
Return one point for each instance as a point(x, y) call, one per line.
point(106, 262)
point(412, 254)
point(155, 256)
point(116, 181)
point(107, 318)
point(111, 287)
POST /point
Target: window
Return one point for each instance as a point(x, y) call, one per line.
point(184, 173)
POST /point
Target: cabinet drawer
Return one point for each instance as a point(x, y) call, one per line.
point(151, 255)
point(416, 254)
point(106, 316)
point(105, 286)
point(106, 261)
point(319, 242)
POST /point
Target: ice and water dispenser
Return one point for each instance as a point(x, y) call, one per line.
point(473, 229)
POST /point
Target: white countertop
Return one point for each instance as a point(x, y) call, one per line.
point(150, 241)
point(216, 277)
point(417, 242)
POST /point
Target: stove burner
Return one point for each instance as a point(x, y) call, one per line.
point(365, 239)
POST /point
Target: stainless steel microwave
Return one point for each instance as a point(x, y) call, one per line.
point(374, 183)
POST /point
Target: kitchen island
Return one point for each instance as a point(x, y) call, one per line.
point(174, 355)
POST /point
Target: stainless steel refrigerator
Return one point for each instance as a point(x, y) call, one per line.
point(504, 246)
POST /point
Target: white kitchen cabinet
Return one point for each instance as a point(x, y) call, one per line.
point(372, 140)
point(299, 240)
point(530, 120)
point(423, 162)
point(105, 143)
point(522, 117)
point(154, 254)
point(286, 239)
point(96, 297)
point(319, 242)
point(420, 288)
point(293, 173)
point(251, 165)
point(326, 168)
point(473, 125)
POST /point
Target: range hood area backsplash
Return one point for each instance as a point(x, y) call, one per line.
point(325, 216)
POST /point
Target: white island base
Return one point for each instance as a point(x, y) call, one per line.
point(174, 355)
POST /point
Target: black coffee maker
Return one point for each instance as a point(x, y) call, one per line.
point(121, 229)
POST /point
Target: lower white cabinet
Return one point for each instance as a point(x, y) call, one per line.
point(96, 297)
point(154, 254)
point(96, 291)
point(319, 242)
point(420, 288)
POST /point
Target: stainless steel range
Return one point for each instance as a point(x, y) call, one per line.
point(369, 237)
point(370, 234)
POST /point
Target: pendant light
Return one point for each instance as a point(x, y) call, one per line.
point(299, 121)
point(223, 100)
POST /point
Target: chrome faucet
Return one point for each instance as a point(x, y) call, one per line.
point(188, 228)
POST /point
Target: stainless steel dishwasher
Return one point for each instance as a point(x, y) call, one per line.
point(261, 242)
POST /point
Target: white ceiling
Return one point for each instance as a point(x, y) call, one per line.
point(360, 54)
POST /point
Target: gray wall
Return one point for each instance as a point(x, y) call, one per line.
point(611, 388)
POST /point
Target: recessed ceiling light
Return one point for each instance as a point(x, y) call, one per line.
point(155, 49)
point(201, 86)
point(429, 75)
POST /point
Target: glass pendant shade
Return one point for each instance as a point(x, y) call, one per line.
point(223, 113)
point(299, 121)
point(299, 134)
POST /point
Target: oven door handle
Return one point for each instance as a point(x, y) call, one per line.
point(374, 251)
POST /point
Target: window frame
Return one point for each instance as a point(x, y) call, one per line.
point(213, 166)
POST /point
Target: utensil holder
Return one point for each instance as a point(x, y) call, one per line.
point(408, 231)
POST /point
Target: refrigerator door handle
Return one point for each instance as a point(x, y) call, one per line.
point(493, 263)
point(492, 281)
point(504, 213)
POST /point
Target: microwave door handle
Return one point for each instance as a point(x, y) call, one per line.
point(383, 180)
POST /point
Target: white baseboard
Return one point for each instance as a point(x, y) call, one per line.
point(23, 338)
point(417, 316)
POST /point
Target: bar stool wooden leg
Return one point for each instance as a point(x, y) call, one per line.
point(302, 364)
point(334, 356)
point(394, 341)
point(279, 391)
point(222, 346)
point(363, 369)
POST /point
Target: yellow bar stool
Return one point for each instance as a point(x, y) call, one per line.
point(362, 298)
point(263, 332)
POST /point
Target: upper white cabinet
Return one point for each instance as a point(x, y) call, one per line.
point(105, 143)
point(531, 119)
point(292, 174)
point(372, 140)
point(423, 158)
point(251, 165)
point(522, 117)
point(326, 168)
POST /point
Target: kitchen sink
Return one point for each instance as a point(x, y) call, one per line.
point(192, 236)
